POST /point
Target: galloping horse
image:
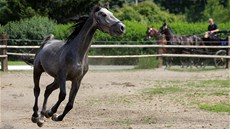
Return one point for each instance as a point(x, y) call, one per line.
point(68, 60)
point(183, 40)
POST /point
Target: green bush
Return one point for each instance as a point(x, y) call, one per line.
point(28, 31)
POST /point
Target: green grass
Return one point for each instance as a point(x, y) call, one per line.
point(16, 63)
point(165, 90)
point(209, 83)
point(215, 107)
point(219, 93)
point(192, 69)
point(218, 83)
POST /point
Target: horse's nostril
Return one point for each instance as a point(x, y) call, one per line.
point(122, 28)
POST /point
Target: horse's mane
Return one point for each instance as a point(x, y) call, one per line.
point(77, 27)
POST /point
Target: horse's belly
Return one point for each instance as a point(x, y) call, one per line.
point(49, 58)
point(76, 72)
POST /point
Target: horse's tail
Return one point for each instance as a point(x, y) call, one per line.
point(47, 38)
point(30, 60)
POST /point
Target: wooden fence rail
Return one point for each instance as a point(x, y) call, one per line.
point(4, 54)
point(130, 46)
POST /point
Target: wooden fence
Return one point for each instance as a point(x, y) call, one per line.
point(4, 53)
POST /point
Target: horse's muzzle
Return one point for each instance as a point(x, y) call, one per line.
point(118, 28)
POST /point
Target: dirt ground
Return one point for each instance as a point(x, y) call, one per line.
point(110, 100)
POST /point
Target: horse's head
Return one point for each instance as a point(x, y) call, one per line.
point(163, 29)
point(107, 22)
point(150, 33)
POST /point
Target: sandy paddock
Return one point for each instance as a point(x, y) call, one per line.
point(111, 100)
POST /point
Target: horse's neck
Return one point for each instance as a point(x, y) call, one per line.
point(83, 40)
point(169, 35)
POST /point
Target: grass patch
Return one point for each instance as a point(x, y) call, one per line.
point(219, 93)
point(147, 63)
point(218, 83)
point(215, 107)
point(192, 69)
point(165, 90)
point(124, 122)
point(210, 83)
point(148, 120)
point(16, 63)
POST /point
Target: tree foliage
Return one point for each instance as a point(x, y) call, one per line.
point(217, 11)
point(145, 12)
point(198, 10)
point(178, 6)
point(12, 10)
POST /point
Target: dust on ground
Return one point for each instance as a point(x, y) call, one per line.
point(110, 100)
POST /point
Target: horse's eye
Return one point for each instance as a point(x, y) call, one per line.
point(103, 14)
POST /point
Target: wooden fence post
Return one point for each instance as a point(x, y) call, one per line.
point(160, 58)
point(4, 60)
point(228, 63)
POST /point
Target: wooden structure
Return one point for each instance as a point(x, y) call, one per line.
point(3, 52)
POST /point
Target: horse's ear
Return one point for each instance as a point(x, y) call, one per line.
point(164, 24)
point(106, 5)
point(97, 7)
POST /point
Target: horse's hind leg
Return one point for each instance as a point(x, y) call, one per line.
point(73, 92)
point(62, 85)
point(36, 77)
point(49, 89)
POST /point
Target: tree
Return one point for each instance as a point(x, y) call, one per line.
point(217, 11)
point(178, 6)
point(60, 10)
point(14, 10)
point(146, 12)
point(195, 12)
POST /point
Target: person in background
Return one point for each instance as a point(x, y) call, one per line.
point(212, 29)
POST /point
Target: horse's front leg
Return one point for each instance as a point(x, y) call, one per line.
point(73, 92)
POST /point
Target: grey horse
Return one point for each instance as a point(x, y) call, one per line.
point(68, 60)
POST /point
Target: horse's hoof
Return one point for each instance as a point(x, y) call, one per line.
point(48, 113)
point(40, 123)
point(34, 119)
point(55, 117)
